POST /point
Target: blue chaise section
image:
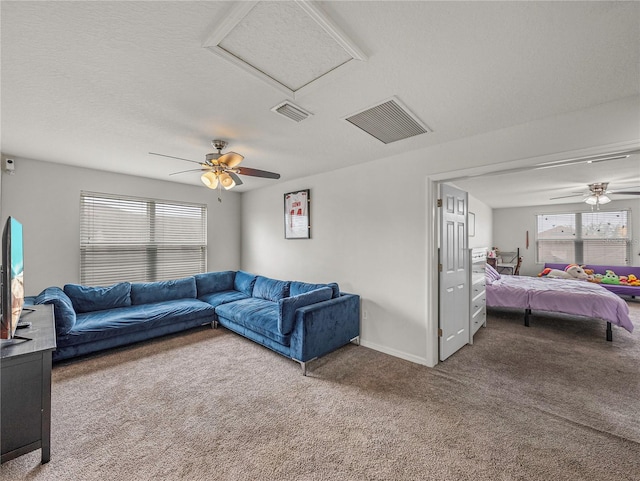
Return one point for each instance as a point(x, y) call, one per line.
point(299, 320)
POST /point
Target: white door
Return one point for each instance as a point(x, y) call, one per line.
point(454, 279)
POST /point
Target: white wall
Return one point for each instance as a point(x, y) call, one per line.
point(510, 227)
point(370, 228)
point(45, 197)
point(484, 224)
point(365, 235)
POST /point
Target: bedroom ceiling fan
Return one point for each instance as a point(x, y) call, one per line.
point(221, 170)
point(597, 194)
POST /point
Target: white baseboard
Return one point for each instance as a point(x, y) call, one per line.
point(395, 353)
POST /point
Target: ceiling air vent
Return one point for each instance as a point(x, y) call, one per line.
point(291, 111)
point(388, 122)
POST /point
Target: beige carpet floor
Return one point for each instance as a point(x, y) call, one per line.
point(554, 401)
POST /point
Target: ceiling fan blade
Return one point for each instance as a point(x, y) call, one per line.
point(230, 159)
point(172, 157)
point(566, 196)
point(257, 173)
point(620, 192)
point(190, 170)
point(235, 178)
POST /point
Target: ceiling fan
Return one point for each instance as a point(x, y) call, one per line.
point(597, 194)
point(221, 170)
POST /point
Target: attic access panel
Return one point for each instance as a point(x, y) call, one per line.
point(292, 46)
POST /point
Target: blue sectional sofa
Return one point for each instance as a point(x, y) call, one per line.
point(299, 320)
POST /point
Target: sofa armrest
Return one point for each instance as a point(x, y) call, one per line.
point(325, 326)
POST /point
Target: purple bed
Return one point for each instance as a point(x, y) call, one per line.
point(565, 296)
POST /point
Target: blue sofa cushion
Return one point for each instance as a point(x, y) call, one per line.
point(254, 314)
point(244, 282)
point(287, 307)
point(217, 298)
point(214, 282)
point(62, 308)
point(270, 289)
point(92, 326)
point(88, 299)
point(150, 292)
point(304, 287)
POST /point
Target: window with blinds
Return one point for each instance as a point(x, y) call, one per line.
point(584, 237)
point(140, 240)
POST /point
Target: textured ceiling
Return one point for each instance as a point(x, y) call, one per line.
point(101, 84)
point(281, 40)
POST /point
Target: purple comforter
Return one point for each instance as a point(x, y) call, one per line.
point(566, 296)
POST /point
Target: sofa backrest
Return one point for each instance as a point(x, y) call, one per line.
point(210, 282)
point(150, 292)
point(600, 269)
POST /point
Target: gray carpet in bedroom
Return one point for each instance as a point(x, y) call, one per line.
point(554, 401)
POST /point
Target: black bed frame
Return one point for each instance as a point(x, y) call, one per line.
point(527, 313)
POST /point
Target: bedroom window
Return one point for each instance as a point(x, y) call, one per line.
point(140, 240)
point(601, 238)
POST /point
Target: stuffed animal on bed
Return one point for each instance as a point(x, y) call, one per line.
point(610, 277)
point(572, 271)
point(633, 280)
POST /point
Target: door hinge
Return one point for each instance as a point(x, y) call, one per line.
point(439, 267)
point(439, 202)
point(439, 332)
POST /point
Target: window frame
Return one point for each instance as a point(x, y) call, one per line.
point(579, 240)
point(148, 245)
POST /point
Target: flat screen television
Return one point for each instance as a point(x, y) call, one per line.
point(12, 278)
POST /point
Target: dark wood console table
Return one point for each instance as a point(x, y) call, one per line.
point(25, 395)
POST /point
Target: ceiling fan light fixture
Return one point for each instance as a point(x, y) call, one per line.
point(597, 199)
point(591, 200)
point(210, 179)
point(226, 181)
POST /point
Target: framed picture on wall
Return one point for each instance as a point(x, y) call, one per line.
point(472, 224)
point(296, 215)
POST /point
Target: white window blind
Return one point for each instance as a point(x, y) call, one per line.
point(140, 240)
point(584, 237)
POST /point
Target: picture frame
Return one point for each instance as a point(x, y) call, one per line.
point(472, 224)
point(297, 223)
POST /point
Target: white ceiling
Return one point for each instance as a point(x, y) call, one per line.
point(101, 84)
point(542, 186)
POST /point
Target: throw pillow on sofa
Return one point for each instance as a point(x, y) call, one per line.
point(298, 287)
point(150, 292)
point(270, 289)
point(287, 307)
point(88, 299)
point(62, 308)
point(210, 282)
point(244, 282)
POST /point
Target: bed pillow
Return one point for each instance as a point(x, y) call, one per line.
point(490, 274)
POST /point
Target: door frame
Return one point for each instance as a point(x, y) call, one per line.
point(432, 182)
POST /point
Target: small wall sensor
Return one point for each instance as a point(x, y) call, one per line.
point(9, 166)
